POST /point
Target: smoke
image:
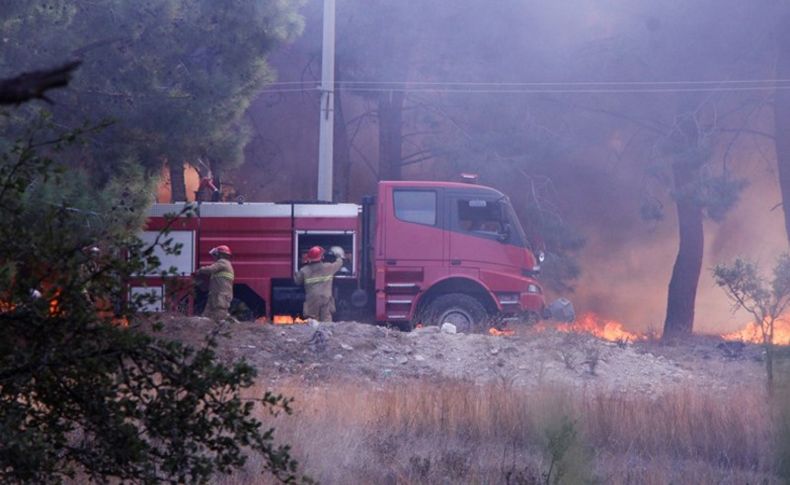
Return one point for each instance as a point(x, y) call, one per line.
point(627, 261)
point(608, 166)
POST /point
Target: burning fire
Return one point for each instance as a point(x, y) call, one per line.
point(501, 333)
point(54, 306)
point(610, 330)
point(287, 320)
point(752, 333)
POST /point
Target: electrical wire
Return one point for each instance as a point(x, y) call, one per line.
point(528, 90)
point(542, 83)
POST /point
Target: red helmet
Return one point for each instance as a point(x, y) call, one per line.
point(314, 255)
point(222, 249)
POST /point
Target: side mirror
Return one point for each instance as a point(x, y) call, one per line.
point(504, 236)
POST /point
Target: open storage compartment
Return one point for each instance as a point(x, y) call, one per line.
point(304, 240)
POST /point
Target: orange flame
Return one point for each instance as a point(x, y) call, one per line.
point(287, 320)
point(54, 306)
point(501, 333)
point(610, 330)
point(752, 333)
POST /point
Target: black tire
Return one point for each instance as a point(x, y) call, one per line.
point(464, 311)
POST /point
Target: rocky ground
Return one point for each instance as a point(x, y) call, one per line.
point(363, 352)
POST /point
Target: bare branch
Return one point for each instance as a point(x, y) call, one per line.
point(34, 85)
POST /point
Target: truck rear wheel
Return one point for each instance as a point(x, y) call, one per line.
point(464, 311)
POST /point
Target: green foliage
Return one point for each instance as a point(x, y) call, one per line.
point(766, 301)
point(177, 75)
point(80, 395)
point(718, 195)
point(748, 289)
point(569, 461)
point(745, 286)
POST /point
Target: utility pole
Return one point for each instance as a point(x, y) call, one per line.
point(327, 121)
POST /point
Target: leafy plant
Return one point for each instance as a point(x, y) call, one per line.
point(569, 461)
point(766, 301)
point(87, 388)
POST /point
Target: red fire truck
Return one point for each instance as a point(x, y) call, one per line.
point(418, 252)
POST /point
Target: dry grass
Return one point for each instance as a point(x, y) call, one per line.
point(457, 432)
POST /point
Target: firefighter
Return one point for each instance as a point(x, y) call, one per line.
point(317, 276)
point(207, 191)
point(88, 269)
point(220, 289)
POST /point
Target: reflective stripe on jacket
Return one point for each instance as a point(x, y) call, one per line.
point(220, 289)
point(317, 278)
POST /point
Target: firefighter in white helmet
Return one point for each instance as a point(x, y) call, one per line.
point(220, 289)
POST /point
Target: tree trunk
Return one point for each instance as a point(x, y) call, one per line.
point(782, 119)
point(688, 264)
point(178, 186)
point(342, 154)
point(390, 135)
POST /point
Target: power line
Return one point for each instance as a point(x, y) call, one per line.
point(525, 90)
point(770, 82)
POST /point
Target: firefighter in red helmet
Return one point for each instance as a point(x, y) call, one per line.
point(317, 276)
point(220, 289)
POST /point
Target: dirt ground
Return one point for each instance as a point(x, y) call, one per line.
point(367, 353)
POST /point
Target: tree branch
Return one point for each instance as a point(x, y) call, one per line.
point(34, 85)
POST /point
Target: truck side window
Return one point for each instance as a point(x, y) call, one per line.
point(479, 216)
point(416, 206)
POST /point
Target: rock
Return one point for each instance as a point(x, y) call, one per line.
point(318, 341)
point(494, 351)
point(403, 360)
point(346, 347)
point(419, 358)
point(449, 328)
point(338, 357)
point(428, 329)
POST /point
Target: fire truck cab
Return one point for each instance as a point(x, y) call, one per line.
point(418, 252)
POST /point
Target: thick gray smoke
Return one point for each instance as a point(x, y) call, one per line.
point(602, 151)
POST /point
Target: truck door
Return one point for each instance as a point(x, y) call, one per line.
point(476, 229)
point(414, 248)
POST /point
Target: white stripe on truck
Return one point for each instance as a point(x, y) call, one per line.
point(260, 209)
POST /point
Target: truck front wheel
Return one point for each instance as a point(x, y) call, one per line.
point(464, 311)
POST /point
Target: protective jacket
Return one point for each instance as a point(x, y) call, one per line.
point(317, 280)
point(220, 288)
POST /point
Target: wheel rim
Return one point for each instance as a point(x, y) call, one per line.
point(461, 319)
